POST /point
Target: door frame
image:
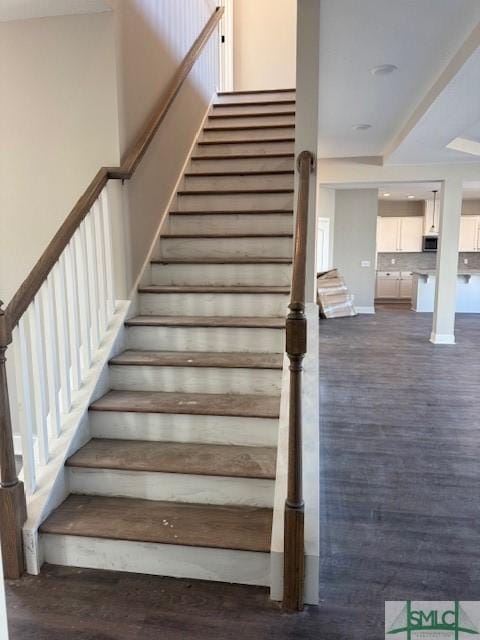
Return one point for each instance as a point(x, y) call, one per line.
point(225, 47)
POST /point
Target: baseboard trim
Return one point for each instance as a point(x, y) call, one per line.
point(442, 338)
point(370, 310)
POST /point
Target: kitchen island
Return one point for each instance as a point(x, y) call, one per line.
point(468, 291)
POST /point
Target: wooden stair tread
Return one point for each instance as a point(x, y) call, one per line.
point(244, 172)
point(255, 91)
point(177, 457)
point(252, 103)
point(231, 192)
point(233, 360)
point(246, 406)
point(250, 156)
point(232, 260)
point(267, 234)
point(251, 127)
point(219, 527)
point(260, 114)
point(159, 288)
point(247, 322)
point(245, 141)
point(248, 212)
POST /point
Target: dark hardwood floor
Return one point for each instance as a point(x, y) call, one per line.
point(400, 480)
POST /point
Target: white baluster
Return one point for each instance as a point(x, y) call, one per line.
point(63, 334)
point(92, 279)
point(107, 234)
point(51, 354)
point(100, 266)
point(25, 398)
point(73, 318)
point(33, 326)
point(83, 296)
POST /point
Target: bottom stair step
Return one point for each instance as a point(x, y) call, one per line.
point(227, 544)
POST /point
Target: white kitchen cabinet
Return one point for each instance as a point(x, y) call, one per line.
point(388, 284)
point(405, 285)
point(411, 234)
point(387, 234)
point(396, 235)
point(469, 233)
point(394, 284)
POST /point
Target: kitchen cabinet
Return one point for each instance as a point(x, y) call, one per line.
point(397, 235)
point(405, 286)
point(469, 233)
point(387, 234)
point(394, 284)
point(388, 284)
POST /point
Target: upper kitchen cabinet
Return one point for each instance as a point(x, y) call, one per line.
point(469, 233)
point(396, 235)
point(387, 234)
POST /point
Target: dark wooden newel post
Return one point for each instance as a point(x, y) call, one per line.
point(13, 510)
point(296, 335)
point(296, 348)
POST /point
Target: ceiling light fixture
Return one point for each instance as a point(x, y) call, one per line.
point(361, 127)
point(410, 197)
point(383, 70)
point(386, 195)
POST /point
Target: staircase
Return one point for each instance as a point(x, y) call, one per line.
point(178, 477)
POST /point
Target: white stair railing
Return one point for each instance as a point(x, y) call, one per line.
point(58, 335)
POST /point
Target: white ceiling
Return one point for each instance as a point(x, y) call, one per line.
point(420, 37)
point(421, 190)
point(26, 9)
point(401, 191)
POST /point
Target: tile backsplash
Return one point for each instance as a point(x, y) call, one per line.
point(414, 261)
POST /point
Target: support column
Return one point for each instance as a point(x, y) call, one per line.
point(306, 119)
point(443, 330)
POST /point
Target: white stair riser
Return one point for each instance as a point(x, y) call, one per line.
point(216, 339)
point(241, 164)
point(249, 134)
point(269, 247)
point(184, 427)
point(195, 379)
point(200, 563)
point(226, 223)
point(172, 487)
point(221, 274)
point(213, 304)
point(207, 183)
point(271, 96)
point(234, 202)
point(244, 148)
point(252, 121)
point(225, 109)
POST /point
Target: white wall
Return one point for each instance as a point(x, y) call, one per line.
point(152, 37)
point(355, 240)
point(264, 44)
point(58, 125)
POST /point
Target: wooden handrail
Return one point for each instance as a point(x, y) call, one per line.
point(12, 494)
point(296, 348)
point(130, 160)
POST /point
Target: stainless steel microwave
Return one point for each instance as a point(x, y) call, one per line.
point(430, 243)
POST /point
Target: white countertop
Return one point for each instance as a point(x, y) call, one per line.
point(432, 272)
